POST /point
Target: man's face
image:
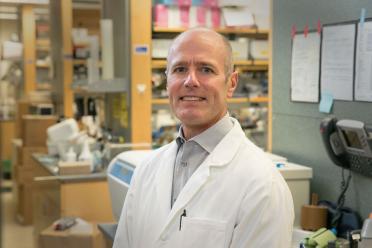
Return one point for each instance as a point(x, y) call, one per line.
point(196, 81)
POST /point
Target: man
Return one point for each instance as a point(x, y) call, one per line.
point(211, 187)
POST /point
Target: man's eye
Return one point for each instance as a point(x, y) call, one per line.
point(206, 70)
point(179, 69)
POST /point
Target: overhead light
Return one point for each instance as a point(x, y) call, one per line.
point(25, 1)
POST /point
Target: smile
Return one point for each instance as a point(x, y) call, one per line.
point(192, 98)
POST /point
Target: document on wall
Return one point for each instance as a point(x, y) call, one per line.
point(305, 67)
point(363, 68)
point(337, 65)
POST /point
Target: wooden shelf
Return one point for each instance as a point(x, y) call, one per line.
point(43, 43)
point(43, 86)
point(260, 99)
point(258, 64)
point(84, 62)
point(45, 66)
point(220, 30)
point(158, 63)
point(79, 61)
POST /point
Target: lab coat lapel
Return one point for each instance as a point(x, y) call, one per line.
point(163, 179)
point(222, 155)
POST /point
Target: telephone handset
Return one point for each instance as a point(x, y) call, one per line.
point(348, 144)
point(332, 142)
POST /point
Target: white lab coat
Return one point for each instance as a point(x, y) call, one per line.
point(236, 198)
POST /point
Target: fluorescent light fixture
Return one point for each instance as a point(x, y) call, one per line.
point(25, 1)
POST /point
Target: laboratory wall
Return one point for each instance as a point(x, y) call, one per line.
point(296, 125)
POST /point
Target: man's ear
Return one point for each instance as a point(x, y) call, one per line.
point(232, 83)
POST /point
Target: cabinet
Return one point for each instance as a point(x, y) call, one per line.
point(34, 30)
point(43, 60)
point(252, 110)
point(85, 196)
point(63, 17)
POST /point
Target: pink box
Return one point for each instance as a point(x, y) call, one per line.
point(211, 3)
point(216, 17)
point(161, 15)
point(184, 3)
point(185, 15)
point(201, 13)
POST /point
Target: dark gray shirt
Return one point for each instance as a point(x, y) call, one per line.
point(191, 153)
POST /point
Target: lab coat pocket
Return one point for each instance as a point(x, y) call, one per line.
point(204, 233)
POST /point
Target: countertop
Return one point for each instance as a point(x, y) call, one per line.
point(50, 163)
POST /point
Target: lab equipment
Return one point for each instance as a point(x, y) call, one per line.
point(59, 136)
point(63, 131)
point(297, 178)
point(348, 144)
point(111, 150)
point(119, 174)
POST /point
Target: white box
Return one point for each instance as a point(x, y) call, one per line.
point(160, 48)
point(240, 48)
point(259, 49)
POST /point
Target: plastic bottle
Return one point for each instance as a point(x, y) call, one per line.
point(86, 155)
point(367, 228)
point(70, 155)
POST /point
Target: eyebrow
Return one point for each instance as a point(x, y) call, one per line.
point(201, 63)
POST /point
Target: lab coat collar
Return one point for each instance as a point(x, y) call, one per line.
point(221, 155)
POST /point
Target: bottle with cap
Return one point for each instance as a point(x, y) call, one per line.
point(70, 155)
point(366, 233)
point(86, 155)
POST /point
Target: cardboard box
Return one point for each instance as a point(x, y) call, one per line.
point(6, 135)
point(22, 109)
point(34, 129)
point(16, 149)
point(25, 156)
point(74, 168)
point(240, 48)
point(259, 49)
point(25, 175)
point(82, 235)
point(24, 204)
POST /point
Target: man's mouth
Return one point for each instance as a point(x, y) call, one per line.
point(192, 98)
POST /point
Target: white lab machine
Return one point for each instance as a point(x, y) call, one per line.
point(119, 175)
point(298, 179)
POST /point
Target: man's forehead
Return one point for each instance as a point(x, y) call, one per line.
point(192, 38)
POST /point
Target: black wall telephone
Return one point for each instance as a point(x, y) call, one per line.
point(348, 144)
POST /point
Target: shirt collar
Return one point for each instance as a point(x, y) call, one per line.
point(209, 139)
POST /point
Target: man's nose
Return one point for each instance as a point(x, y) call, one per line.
point(191, 79)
